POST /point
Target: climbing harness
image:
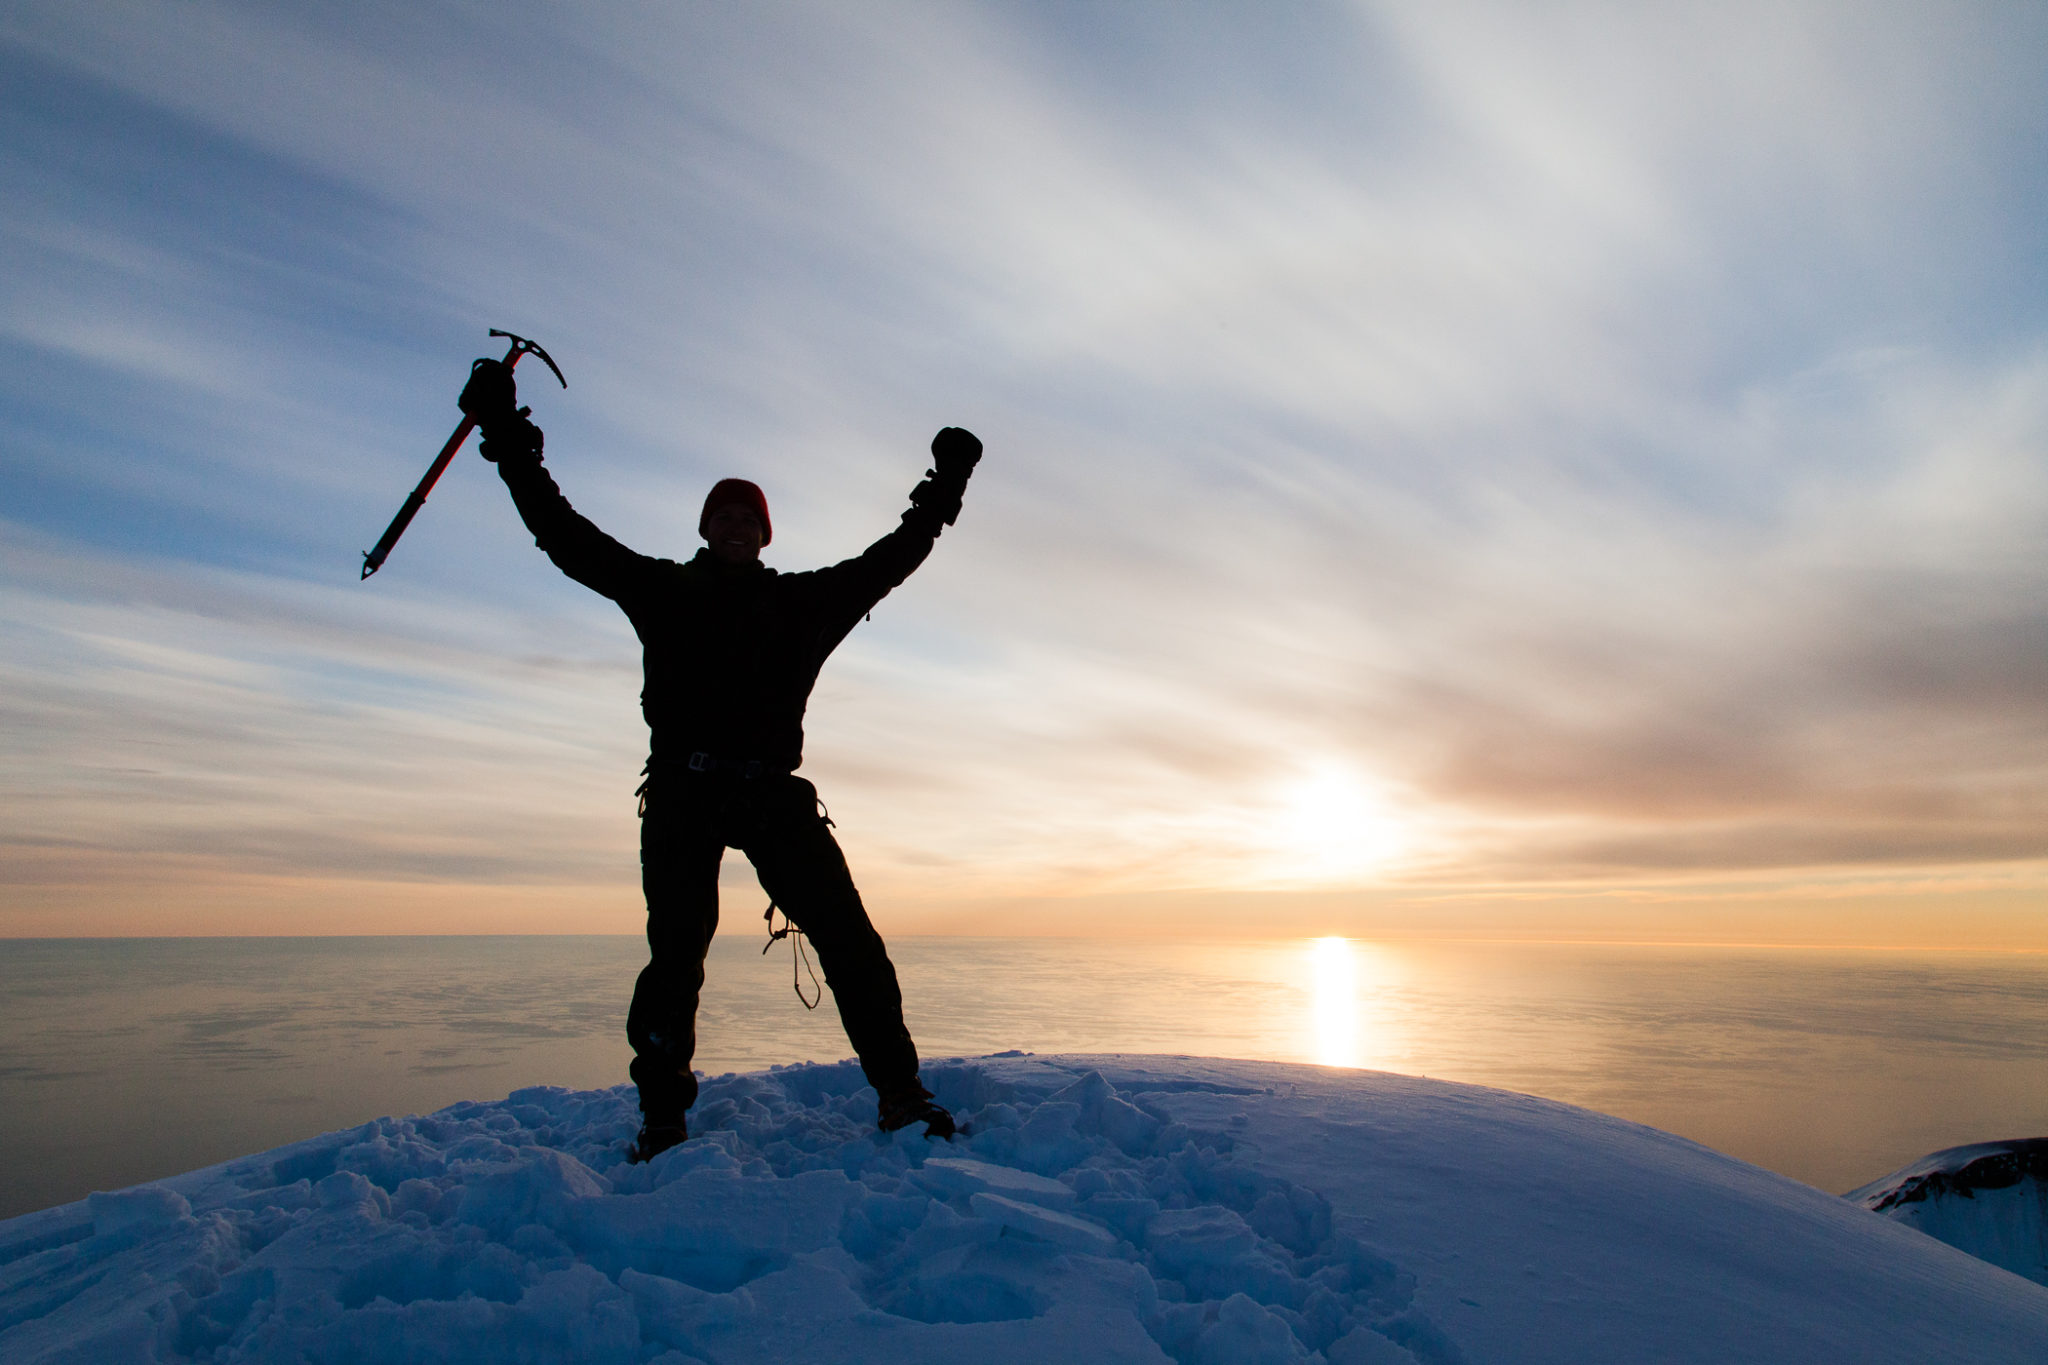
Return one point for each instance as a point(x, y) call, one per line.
point(800, 960)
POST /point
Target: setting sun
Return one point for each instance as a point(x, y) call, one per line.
point(1331, 823)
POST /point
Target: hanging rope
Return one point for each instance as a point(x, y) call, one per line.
point(797, 955)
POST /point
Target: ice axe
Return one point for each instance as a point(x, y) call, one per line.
point(374, 560)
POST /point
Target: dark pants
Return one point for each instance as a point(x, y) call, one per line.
point(688, 822)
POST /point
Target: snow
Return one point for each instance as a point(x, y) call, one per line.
point(1989, 1198)
point(1099, 1209)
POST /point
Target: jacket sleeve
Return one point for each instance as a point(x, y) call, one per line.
point(576, 546)
point(848, 590)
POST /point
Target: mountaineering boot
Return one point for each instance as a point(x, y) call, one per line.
point(914, 1104)
point(656, 1138)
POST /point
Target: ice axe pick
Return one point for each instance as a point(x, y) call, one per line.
point(373, 560)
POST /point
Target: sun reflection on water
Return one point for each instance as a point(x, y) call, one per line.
point(1333, 1002)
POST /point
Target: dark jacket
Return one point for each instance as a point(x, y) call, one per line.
point(731, 652)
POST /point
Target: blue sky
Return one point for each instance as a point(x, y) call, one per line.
point(1452, 468)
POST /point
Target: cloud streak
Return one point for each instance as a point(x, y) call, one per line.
point(1586, 448)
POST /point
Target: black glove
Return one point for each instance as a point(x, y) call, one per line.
point(955, 452)
point(490, 396)
point(491, 400)
point(934, 499)
point(512, 438)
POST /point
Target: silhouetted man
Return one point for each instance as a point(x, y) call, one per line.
point(732, 649)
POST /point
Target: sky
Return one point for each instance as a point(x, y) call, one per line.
point(1564, 471)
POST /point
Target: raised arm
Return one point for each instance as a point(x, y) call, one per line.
point(576, 546)
point(514, 443)
point(853, 586)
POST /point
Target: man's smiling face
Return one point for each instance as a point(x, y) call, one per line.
point(734, 534)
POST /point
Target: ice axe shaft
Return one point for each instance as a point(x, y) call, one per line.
point(373, 560)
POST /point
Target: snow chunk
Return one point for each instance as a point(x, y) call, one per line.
point(713, 1229)
point(1102, 1110)
point(958, 1175)
point(1184, 1239)
point(1246, 1334)
point(543, 1188)
point(142, 1209)
point(1060, 1229)
point(1367, 1347)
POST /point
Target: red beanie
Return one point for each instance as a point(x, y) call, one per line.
point(746, 495)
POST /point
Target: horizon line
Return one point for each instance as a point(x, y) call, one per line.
point(1499, 940)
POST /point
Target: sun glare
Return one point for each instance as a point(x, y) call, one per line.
point(1333, 1002)
point(1330, 823)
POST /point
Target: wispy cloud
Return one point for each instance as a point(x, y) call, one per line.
point(1458, 445)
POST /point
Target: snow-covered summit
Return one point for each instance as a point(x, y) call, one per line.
point(1988, 1198)
point(1101, 1209)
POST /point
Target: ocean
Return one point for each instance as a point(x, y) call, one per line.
point(126, 1060)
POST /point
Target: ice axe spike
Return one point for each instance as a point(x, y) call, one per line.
point(373, 560)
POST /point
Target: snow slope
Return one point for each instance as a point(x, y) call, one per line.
point(1103, 1209)
point(1989, 1198)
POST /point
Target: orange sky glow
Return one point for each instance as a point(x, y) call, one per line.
point(1453, 471)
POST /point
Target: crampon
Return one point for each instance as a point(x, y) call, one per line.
point(914, 1105)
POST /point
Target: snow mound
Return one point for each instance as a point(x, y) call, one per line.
point(1098, 1209)
point(1989, 1199)
point(786, 1228)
